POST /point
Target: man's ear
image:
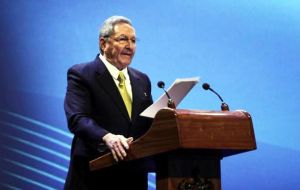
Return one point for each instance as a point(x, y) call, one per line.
point(102, 44)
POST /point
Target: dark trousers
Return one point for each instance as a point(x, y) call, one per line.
point(121, 176)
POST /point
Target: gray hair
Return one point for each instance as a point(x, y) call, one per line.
point(107, 28)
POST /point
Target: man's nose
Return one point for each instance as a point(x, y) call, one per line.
point(130, 44)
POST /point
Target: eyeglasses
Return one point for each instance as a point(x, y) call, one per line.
point(125, 40)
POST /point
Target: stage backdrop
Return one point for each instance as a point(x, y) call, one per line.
point(247, 50)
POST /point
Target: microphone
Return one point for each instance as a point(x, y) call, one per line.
point(171, 103)
point(224, 106)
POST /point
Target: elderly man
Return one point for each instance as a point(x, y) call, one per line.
point(102, 104)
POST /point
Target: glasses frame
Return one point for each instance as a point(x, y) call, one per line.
point(123, 39)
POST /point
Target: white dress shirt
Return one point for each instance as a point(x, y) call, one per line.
point(114, 71)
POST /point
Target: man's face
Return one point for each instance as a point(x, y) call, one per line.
point(119, 49)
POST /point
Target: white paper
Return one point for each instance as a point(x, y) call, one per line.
point(178, 90)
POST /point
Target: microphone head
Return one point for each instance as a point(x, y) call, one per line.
point(161, 84)
point(205, 86)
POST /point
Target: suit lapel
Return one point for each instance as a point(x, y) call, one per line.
point(107, 82)
point(136, 93)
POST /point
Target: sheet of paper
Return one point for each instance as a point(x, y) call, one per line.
point(178, 90)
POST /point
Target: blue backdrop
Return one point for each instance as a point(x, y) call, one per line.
point(247, 50)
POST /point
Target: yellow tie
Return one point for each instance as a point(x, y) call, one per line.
point(124, 93)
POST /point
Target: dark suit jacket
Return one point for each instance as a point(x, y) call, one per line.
point(94, 107)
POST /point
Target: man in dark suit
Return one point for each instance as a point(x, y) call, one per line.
point(100, 118)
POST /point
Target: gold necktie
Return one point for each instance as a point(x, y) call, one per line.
point(124, 93)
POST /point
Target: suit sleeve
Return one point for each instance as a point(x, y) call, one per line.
point(78, 110)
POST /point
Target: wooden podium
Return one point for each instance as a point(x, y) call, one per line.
point(188, 145)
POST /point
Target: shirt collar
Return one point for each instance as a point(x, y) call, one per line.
point(114, 71)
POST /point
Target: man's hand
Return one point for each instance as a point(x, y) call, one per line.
point(118, 145)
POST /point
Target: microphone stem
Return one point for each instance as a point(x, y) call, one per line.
point(224, 106)
point(216, 94)
point(171, 103)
